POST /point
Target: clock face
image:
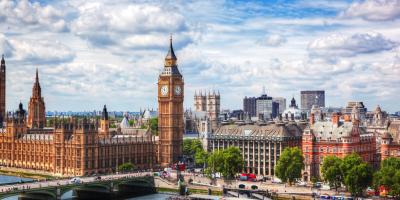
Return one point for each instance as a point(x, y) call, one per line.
point(178, 90)
point(164, 90)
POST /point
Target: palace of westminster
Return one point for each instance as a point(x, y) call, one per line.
point(74, 147)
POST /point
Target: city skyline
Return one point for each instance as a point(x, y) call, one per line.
point(91, 54)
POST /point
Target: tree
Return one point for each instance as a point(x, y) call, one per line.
point(131, 122)
point(357, 175)
point(191, 146)
point(349, 162)
point(154, 125)
point(332, 172)
point(187, 146)
point(358, 178)
point(233, 162)
point(215, 162)
point(126, 167)
point(389, 176)
point(201, 157)
point(228, 162)
point(289, 165)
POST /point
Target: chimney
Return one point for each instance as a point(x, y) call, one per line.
point(312, 119)
point(335, 118)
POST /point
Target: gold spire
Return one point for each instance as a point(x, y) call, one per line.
point(170, 59)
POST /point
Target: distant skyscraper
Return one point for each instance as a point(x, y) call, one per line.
point(310, 98)
point(282, 103)
point(250, 105)
point(264, 106)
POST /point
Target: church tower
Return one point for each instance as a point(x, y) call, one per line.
point(104, 123)
point(36, 114)
point(2, 91)
point(170, 110)
point(213, 108)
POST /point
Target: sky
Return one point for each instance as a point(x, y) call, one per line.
point(91, 53)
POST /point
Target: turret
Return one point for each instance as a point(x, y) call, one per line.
point(2, 91)
point(104, 123)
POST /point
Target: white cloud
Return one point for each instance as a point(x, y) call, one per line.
point(351, 45)
point(273, 40)
point(32, 15)
point(35, 51)
point(132, 26)
point(373, 10)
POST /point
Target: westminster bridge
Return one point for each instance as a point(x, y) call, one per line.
point(117, 186)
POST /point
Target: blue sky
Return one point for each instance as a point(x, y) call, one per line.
point(91, 53)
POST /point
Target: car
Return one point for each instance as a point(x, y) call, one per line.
point(242, 186)
point(254, 187)
point(301, 183)
point(317, 185)
point(276, 180)
point(75, 180)
point(97, 178)
point(325, 196)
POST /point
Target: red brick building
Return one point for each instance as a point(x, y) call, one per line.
point(390, 141)
point(340, 136)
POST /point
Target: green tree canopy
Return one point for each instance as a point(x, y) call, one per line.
point(191, 146)
point(357, 175)
point(154, 125)
point(228, 162)
point(289, 165)
point(389, 175)
point(331, 171)
point(201, 157)
point(358, 178)
point(233, 162)
point(126, 167)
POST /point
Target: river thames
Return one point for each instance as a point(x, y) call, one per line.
point(4, 179)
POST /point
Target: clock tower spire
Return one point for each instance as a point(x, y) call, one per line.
point(170, 110)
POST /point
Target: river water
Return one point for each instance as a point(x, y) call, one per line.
point(11, 179)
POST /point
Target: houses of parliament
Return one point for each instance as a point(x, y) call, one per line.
point(82, 146)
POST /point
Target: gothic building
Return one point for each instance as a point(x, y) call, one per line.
point(210, 104)
point(76, 147)
point(170, 110)
point(36, 115)
point(2, 91)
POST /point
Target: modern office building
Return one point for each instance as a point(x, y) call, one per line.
point(250, 106)
point(265, 106)
point(281, 103)
point(312, 97)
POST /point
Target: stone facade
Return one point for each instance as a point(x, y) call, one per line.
point(2, 91)
point(72, 147)
point(390, 140)
point(261, 144)
point(170, 111)
point(36, 115)
point(210, 104)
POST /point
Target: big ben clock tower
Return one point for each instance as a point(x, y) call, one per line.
point(170, 110)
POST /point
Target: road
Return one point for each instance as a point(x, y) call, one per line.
point(5, 188)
